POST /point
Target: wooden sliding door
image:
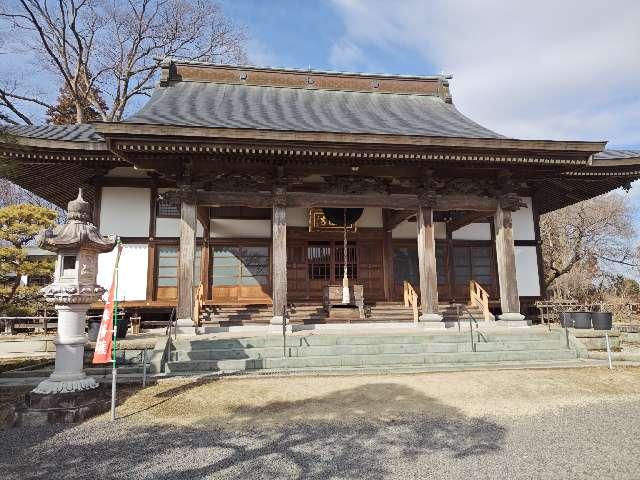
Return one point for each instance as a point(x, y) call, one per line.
point(240, 273)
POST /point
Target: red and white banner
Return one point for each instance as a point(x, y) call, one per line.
point(102, 353)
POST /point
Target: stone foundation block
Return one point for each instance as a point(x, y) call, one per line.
point(75, 407)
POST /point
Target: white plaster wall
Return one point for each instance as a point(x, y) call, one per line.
point(170, 227)
point(124, 211)
point(527, 271)
point(523, 228)
point(410, 230)
point(297, 217)
point(370, 218)
point(132, 271)
point(473, 231)
point(229, 228)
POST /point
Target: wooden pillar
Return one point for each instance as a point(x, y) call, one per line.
point(427, 264)
point(387, 265)
point(387, 255)
point(151, 245)
point(279, 258)
point(506, 259)
point(186, 260)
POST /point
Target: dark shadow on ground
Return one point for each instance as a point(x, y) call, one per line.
point(347, 434)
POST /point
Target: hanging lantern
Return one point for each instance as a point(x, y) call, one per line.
point(338, 216)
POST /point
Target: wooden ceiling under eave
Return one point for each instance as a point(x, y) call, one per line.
point(54, 174)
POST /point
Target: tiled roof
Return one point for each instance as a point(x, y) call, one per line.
point(305, 110)
point(69, 133)
point(616, 154)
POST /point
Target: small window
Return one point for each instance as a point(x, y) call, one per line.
point(68, 265)
point(167, 208)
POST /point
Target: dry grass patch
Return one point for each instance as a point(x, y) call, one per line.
point(316, 398)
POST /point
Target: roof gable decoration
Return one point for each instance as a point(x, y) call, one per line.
point(176, 70)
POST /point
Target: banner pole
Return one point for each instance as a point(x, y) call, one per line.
point(114, 370)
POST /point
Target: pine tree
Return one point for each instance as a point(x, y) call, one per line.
point(19, 225)
point(64, 111)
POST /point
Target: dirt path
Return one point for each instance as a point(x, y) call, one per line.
point(286, 399)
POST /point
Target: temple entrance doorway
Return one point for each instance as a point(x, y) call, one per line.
point(457, 263)
point(314, 264)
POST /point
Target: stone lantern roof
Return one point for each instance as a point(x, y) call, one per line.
point(79, 233)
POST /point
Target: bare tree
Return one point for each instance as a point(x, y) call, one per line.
point(112, 46)
point(588, 240)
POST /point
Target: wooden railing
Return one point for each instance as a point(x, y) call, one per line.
point(410, 299)
point(198, 302)
point(480, 298)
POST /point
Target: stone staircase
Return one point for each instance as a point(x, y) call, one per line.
point(450, 313)
point(226, 316)
point(399, 351)
point(259, 314)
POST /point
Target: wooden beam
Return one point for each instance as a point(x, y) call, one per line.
point(506, 257)
point(151, 272)
point(308, 200)
point(392, 218)
point(288, 140)
point(203, 218)
point(153, 197)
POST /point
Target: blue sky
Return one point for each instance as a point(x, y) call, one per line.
point(527, 69)
point(541, 69)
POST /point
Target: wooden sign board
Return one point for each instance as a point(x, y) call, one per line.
point(318, 222)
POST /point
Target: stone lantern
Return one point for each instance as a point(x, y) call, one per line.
point(77, 243)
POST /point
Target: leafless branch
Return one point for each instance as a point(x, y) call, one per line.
point(109, 48)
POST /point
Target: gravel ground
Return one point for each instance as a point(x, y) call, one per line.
point(538, 424)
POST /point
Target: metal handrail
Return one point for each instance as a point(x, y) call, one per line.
point(173, 323)
point(472, 320)
point(284, 331)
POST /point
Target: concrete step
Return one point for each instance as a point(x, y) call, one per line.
point(368, 360)
point(187, 354)
point(328, 340)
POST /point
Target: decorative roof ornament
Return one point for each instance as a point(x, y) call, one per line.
point(79, 233)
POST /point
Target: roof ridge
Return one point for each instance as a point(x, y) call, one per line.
point(174, 83)
point(166, 61)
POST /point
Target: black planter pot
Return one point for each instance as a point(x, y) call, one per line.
point(566, 320)
point(581, 320)
point(123, 326)
point(94, 328)
point(602, 320)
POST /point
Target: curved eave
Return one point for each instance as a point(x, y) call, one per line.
point(616, 162)
point(56, 144)
point(120, 130)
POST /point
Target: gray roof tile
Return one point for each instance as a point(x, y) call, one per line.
point(69, 133)
point(617, 154)
point(305, 110)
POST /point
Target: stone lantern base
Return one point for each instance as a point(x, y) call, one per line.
point(72, 407)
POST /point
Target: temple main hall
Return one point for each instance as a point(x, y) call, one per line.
point(245, 194)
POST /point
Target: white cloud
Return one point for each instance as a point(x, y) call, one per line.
point(346, 55)
point(259, 54)
point(530, 69)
